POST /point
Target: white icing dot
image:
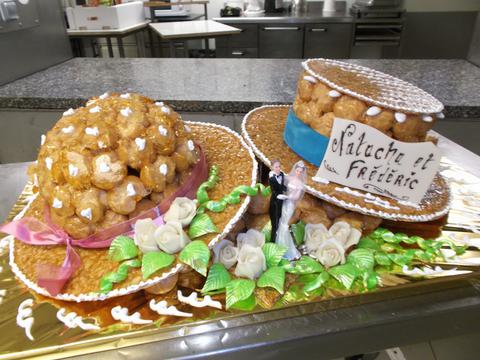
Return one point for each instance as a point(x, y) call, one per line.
point(190, 145)
point(162, 130)
point(101, 144)
point(42, 139)
point(187, 128)
point(334, 94)
point(103, 167)
point(104, 96)
point(373, 111)
point(310, 79)
point(95, 109)
point(131, 190)
point(427, 118)
point(440, 115)
point(68, 129)
point(140, 143)
point(49, 163)
point(92, 131)
point(159, 103)
point(400, 117)
point(163, 169)
point(125, 96)
point(72, 170)
point(86, 213)
point(35, 180)
point(126, 111)
point(57, 204)
point(165, 110)
point(91, 102)
point(69, 112)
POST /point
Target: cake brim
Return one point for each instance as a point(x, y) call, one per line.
point(263, 128)
point(201, 133)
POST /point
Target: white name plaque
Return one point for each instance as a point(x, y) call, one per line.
point(362, 157)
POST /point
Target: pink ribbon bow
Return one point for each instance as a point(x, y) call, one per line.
point(32, 231)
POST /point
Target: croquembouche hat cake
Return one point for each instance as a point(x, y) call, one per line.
point(386, 109)
point(110, 174)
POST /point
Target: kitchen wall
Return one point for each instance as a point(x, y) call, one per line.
point(29, 50)
point(474, 53)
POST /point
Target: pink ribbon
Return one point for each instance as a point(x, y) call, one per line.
point(34, 232)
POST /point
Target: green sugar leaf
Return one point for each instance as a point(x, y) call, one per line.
point(154, 261)
point(197, 255)
point(362, 259)
point(274, 278)
point(218, 277)
point(298, 231)
point(267, 231)
point(382, 258)
point(238, 290)
point(122, 248)
point(273, 253)
point(345, 274)
point(305, 265)
point(316, 283)
point(201, 224)
point(246, 305)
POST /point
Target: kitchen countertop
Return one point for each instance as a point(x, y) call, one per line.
point(224, 85)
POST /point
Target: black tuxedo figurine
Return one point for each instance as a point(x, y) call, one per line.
point(277, 185)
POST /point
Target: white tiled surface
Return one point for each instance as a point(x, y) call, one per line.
point(189, 29)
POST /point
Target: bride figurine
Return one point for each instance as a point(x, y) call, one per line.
point(295, 181)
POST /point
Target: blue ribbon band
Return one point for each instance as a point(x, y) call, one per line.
point(303, 140)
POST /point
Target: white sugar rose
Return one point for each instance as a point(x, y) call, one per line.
point(251, 262)
point(345, 234)
point(182, 209)
point(144, 235)
point(171, 238)
point(225, 253)
point(252, 237)
point(315, 235)
point(331, 253)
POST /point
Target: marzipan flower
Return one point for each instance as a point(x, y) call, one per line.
point(144, 235)
point(251, 262)
point(331, 253)
point(171, 238)
point(182, 209)
point(345, 234)
point(225, 253)
point(315, 235)
point(252, 237)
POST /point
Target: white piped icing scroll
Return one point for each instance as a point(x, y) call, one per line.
point(163, 169)
point(373, 111)
point(131, 190)
point(25, 319)
point(69, 112)
point(121, 314)
point(3, 292)
point(72, 320)
point(104, 96)
point(42, 139)
point(190, 145)
point(140, 143)
point(310, 79)
point(334, 94)
point(125, 96)
point(72, 170)
point(86, 213)
point(162, 130)
point(428, 271)
point(48, 163)
point(57, 204)
point(95, 109)
point(400, 117)
point(68, 129)
point(195, 302)
point(92, 131)
point(91, 102)
point(126, 112)
point(162, 308)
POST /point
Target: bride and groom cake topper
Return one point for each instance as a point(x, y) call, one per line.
point(287, 191)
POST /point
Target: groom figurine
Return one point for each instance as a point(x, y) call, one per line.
point(277, 185)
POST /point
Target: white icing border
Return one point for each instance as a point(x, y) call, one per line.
point(422, 102)
point(333, 199)
point(147, 283)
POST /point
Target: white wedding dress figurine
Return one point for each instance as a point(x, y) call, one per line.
point(295, 190)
